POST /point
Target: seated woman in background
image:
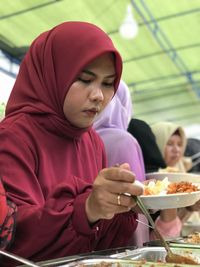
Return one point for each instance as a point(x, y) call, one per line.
point(7, 219)
point(171, 140)
point(193, 151)
point(166, 220)
point(121, 146)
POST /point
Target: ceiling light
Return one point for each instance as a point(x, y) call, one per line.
point(129, 27)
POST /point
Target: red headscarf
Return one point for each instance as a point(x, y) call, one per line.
point(51, 65)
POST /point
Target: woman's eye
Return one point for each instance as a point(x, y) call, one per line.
point(84, 80)
point(110, 84)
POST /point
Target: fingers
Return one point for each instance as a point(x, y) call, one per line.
point(119, 180)
point(125, 166)
point(118, 174)
point(112, 193)
point(124, 201)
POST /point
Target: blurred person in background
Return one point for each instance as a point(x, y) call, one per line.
point(141, 130)
point(172, 141)
point(121, 146)
point(166, 221)
point(193, 151)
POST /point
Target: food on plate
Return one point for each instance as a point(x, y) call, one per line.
point(181, 259)
point(194, 238)
point(165, 187)
point(182, 187)
point(156, 187)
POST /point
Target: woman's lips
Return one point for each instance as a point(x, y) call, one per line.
point(91, 112)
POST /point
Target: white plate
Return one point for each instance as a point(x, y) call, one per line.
point(174, 176)
point(170, 201)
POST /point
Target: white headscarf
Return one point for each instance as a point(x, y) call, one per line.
point(163, 131)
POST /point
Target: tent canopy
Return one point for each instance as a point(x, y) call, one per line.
point(161, 64)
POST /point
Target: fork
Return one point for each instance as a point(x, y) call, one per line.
point(171, 257)
point(153, 226)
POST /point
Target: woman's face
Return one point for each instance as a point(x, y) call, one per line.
point(173, 150)
point(90, 92)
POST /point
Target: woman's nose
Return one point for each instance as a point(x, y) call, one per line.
point(177, 148)
point(96, 94)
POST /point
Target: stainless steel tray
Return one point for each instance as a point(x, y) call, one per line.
point(141, 257)
point(178, 243)
point(101, 262)
point(156, 254)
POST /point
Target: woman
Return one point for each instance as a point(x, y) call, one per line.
point(121, 146)
point(52, 161)
point(171, 141)
point(141, 130)
point(112, 125)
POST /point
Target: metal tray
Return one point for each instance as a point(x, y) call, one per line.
point(141, 257)
point(156, 254)
point(120, 263)
point(178, 243)
point(95, 254)
point(105, 262)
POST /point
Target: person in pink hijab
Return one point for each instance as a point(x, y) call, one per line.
point(121, 146)
point(112, 124)
point(52, 161)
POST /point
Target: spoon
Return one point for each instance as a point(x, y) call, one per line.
point(170, 257)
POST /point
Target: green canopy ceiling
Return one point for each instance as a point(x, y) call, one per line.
point(161, 65)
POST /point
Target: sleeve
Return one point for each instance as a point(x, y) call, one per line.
point(7, 219)
point(53, 226)
point(170, 229)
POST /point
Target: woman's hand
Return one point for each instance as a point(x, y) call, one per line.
point(108, 195)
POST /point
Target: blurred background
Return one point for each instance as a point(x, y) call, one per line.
point(159, 42)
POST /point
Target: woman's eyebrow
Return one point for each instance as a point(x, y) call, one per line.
point(88, 72)
point(93, 74)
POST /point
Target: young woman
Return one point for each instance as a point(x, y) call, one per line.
point(141, 130)
point(52, 161)
point(171, 141)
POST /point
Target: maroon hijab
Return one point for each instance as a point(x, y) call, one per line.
point(51, 65)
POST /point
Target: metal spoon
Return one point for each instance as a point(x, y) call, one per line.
point(18, 258)
point(170, 257)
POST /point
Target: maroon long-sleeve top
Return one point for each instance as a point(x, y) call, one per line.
point(48, 166)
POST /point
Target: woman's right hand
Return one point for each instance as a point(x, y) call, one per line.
point(108, 194)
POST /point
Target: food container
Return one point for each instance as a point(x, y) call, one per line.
point(179, 242)
point(142, 257)
point(156, 254)
point(104, 262)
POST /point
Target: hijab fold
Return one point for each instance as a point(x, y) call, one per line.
point(45, 76)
